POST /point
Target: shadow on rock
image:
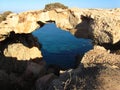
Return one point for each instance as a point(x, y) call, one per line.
point(114, 48)
point(82, 29)
point(26, 39)
point(97, 77)
point(20, 75)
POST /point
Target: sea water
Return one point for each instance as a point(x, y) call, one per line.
point(60, 47)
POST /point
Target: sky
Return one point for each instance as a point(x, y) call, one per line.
point(24, 5)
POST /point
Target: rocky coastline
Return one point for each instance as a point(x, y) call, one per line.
point(21, 62)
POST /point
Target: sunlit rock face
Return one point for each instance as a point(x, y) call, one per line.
point(22, 52)
point(101, 25)
point(99, 55)
point(27, 21)
point(106, 26)
point(21, 46)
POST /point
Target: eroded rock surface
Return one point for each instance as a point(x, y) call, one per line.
point(20, 62)
point(101, 25)
point(21, 52)
point(99, 55)
point(21, 46)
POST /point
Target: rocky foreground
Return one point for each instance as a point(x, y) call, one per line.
point(21, 63)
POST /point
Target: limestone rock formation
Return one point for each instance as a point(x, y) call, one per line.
point(101, 25)
point(105, 26)
point(21, 62)
point(21, 46)
point(21, 52)
point(99, 55)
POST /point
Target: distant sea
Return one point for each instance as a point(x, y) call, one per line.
point(60, 47)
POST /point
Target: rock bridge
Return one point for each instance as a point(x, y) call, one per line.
point(101, 25)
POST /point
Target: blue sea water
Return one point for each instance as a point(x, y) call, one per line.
point(60, 47)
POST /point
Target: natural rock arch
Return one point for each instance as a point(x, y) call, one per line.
point(95, 24)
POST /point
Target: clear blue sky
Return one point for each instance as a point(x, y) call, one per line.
point(23, 5)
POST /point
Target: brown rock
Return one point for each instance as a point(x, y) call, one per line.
point(42, 83)
point(53, 69)
point(35, 70)
point(26, 81)
point(99, 55)
point(109, 79)
point(4, 80)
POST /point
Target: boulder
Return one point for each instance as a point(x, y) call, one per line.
point(99, 55)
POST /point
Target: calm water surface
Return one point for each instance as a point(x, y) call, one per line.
point(60, 47)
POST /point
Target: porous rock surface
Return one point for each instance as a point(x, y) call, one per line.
point(22, 52)
point(21, 46)
point(99, 55)
point(101, 25)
